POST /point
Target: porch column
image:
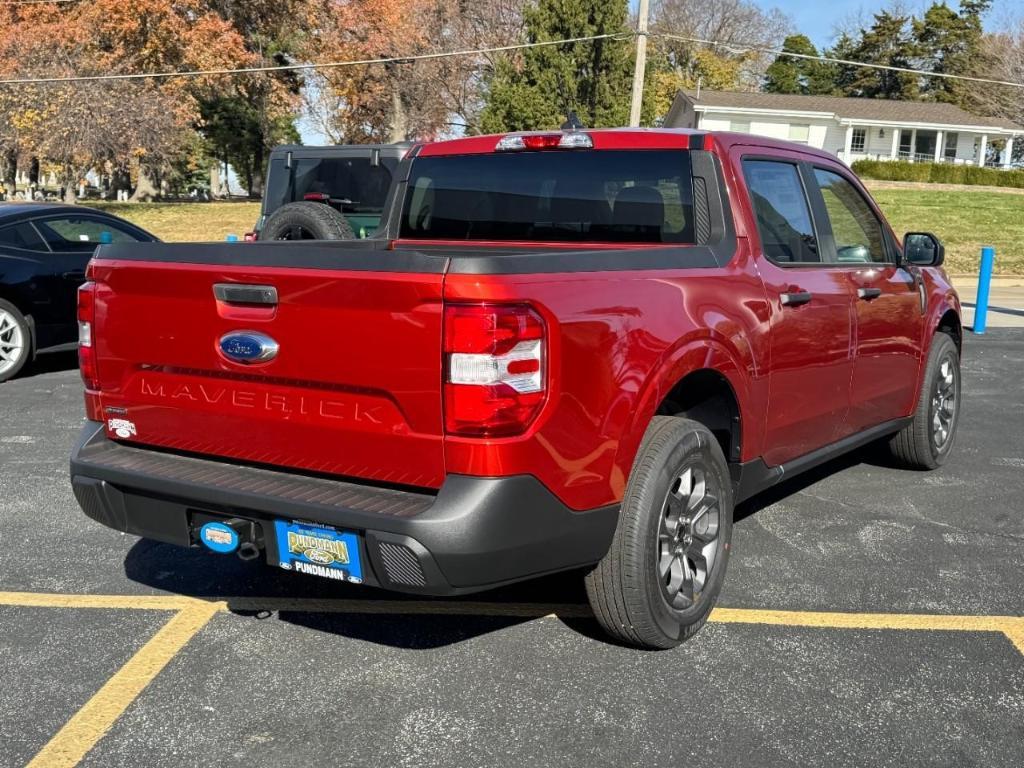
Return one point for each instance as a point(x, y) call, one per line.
point(1008, 152)
point(981, 150)
point(913, 144)
point(895, 151)
point(848, 146)
point(938, 146)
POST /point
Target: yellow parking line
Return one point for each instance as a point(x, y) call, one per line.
point(133, 602)
point(93, 720)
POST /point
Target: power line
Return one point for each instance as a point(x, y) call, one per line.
point(309, 66)
point(742, 47)
point(732, 47)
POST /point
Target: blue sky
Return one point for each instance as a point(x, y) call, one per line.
point(817, 18)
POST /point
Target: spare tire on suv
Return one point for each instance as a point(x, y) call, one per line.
point(307, 221)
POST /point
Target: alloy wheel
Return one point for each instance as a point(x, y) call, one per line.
point(12, 341)
point(688, 540)
point(944, 403)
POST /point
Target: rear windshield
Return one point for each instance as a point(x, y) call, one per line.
point(352, 184)
point(636, 196)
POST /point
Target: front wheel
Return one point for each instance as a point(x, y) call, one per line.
point(662, 574)
point(926, 442)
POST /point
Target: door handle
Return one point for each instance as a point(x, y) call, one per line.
point(235, 293)
point(795, 298)
point(74, 275)
point(868, 293)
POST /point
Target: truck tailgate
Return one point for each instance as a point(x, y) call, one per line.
point(354, 388)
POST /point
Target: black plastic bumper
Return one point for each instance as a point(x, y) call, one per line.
point(474, 533)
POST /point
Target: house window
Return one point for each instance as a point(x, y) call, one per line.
point(860, 139)
point(799, 133)
point(737, 126)
point(951, 139)
point(906, 142)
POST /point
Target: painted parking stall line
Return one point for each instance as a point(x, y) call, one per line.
point(190, 614)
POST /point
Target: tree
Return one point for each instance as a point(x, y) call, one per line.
point(888, 42)
point(728, 22)
point(950, 43)
point(790, 74)
point(591, 78)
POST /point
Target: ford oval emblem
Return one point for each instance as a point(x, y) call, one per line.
point(247, 347)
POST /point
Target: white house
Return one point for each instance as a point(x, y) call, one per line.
point(853, 129)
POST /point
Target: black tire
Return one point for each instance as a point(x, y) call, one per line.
point(13, 327)
point(922, 444)
point(307, 221)
point(631, 598)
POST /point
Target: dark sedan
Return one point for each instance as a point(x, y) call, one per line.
point(44, 249)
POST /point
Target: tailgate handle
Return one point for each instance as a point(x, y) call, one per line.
point(235, 293)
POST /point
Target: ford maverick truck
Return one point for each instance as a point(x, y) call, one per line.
point(572, 350)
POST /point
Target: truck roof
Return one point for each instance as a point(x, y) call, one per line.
point(627, 138)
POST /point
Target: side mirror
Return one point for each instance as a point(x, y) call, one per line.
point(923, 249)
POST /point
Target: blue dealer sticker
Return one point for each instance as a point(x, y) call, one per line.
point(318, 550)
point(219, 537)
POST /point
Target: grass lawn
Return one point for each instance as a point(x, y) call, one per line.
point(964, 220)
point(183, 222)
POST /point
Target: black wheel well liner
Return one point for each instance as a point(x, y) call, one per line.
point(949, 324)
point(707, 397)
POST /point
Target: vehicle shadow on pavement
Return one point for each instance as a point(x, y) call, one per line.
point(206, 575)
point(49, 362)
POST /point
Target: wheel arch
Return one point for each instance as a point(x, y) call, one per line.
point(704, 381)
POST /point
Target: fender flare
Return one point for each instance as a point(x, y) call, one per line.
point(689, 356)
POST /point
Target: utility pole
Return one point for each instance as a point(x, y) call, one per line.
point(641, 62)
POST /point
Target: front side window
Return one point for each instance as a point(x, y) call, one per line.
point(632, 196)
point(783, 215)
point(82, 233)
point(856, 229)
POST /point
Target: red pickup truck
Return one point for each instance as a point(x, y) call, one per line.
point(566, 350)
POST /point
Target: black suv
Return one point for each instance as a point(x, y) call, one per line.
point(326, 193)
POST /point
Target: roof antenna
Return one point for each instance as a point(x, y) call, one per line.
point(572, 122)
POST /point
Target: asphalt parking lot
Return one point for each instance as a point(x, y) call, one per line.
point(871, 616)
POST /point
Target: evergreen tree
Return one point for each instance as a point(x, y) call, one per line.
point(889, 43)
point(951, 43)
point(789, 74)
point(592, 78)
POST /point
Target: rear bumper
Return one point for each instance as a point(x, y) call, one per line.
point(474, 533)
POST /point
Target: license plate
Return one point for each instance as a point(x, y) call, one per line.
point(318, 550)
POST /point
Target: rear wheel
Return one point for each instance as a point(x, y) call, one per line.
point(661, 577)
point(15, 340)
point(307, 221)
point(926, 442)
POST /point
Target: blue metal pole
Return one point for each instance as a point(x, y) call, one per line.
point(988, 257)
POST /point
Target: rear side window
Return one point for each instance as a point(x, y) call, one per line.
point(783, 215)
point(352, 183)
point(635, 196)
point(22, 236)
point(80, 233)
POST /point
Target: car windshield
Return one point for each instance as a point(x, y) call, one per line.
point(636, 196)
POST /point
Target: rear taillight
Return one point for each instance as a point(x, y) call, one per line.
point(86, 323)
point(535, 141)
point(495, 377)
